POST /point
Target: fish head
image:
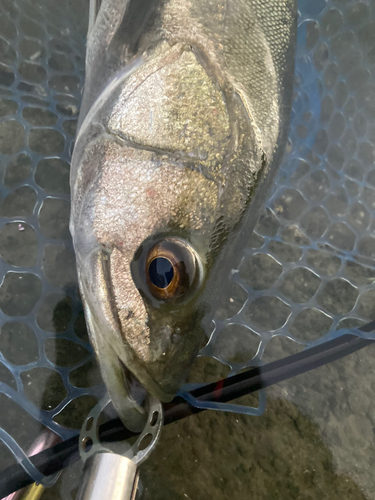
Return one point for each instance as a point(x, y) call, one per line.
point(164, 186)
point(143, 284)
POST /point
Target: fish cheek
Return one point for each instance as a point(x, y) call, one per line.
point(115, 326)
point(129, 304)
point(176, 336)
point(96, 292)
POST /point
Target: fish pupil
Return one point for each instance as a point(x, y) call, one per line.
point(161, 272)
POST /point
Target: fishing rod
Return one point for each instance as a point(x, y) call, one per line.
point(66, 453)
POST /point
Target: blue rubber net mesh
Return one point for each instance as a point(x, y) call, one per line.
point(309, 260)
point(43, 340)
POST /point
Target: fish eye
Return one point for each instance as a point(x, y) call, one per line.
point(171, 269)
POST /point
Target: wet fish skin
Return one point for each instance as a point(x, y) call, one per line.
point(183, 123)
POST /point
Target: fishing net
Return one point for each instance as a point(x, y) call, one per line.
point(308, 268)
point(43, 340)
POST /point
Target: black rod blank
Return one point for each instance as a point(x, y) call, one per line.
point(66, 453)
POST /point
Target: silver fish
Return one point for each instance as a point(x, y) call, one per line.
point(183, 123)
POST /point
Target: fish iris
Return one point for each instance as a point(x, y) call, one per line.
point(161, 272)
point(170, 269)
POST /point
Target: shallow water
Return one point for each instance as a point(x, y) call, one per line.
point(309, 261)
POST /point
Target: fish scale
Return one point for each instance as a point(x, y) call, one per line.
point(314, 237)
